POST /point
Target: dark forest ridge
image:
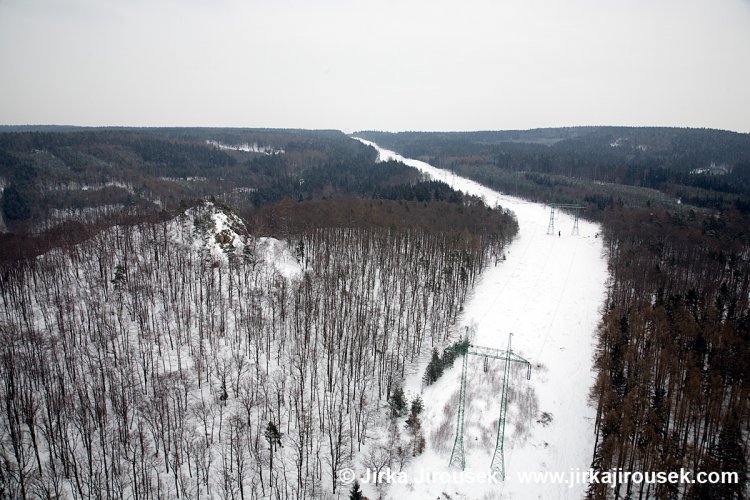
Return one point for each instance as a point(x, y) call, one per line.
point(71, 184)
point(48, 171)
point(645, 141)
point(637, 165)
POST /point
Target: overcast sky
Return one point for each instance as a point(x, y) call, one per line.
point(376, 64)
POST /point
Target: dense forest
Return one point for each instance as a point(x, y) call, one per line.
point(673, 361)
point(673, 357)
point(203, 351)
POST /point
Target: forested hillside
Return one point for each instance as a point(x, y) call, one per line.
point(190, 352)
point(94, 175)
point(62, 186)
point(161, 359)
point(673, 386)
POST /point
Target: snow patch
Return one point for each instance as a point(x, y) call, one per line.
point(279, 255)
point(712, 169)
point(181, 180)
point(79, 186)
point(246, 148)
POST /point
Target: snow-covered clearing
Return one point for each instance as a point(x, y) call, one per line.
point(548, 292)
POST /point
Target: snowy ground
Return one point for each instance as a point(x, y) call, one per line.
point(548, 293)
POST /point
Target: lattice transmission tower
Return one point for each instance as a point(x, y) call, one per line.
point(553, 206)
point(458, 458)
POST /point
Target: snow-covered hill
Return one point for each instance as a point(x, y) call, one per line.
point(548, 293)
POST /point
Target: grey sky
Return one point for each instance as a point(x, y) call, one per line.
point(385, 64)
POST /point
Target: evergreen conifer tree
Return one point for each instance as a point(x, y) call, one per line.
point(356, 492)
point(397, 402)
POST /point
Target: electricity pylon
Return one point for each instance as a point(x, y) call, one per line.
point(458, 458)
point(553, 206)
point(457, 455)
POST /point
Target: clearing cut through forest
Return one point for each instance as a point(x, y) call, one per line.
point(548, 290)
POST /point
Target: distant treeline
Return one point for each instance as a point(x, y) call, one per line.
point(469, 219)
point(703, 167)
